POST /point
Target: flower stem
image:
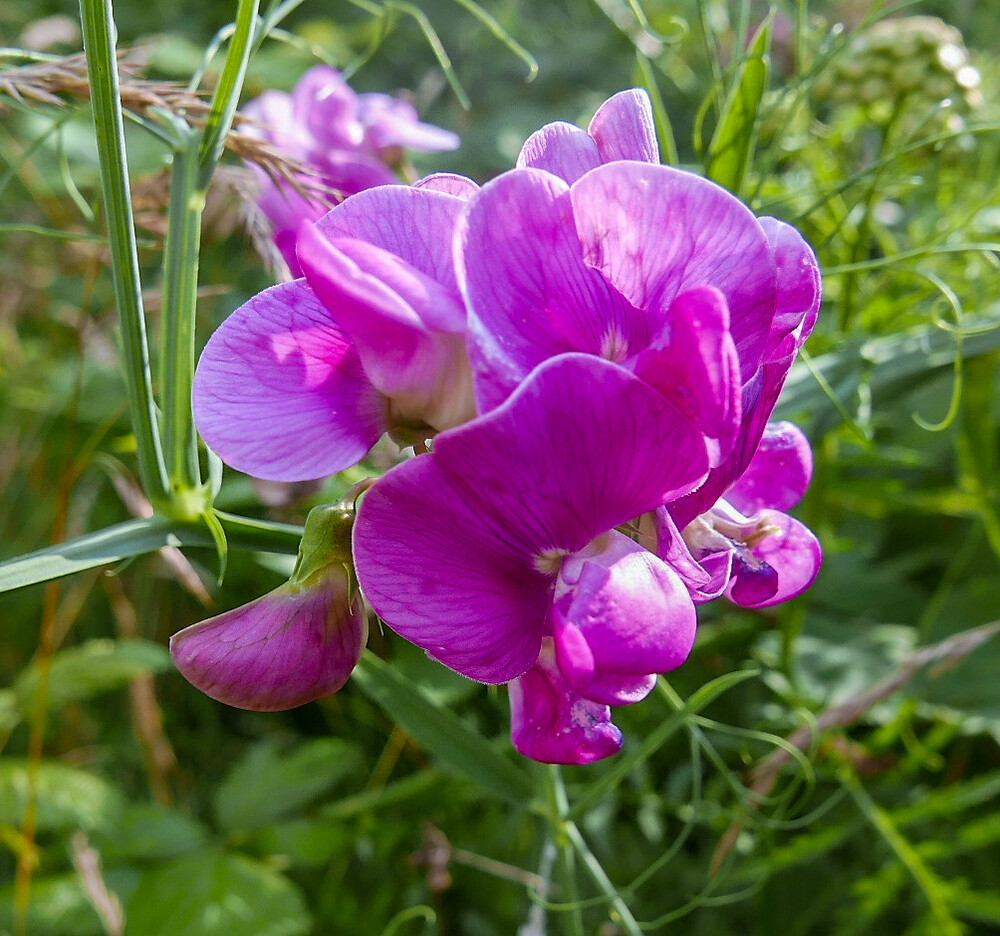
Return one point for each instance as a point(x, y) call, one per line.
point(196, 156)
point(625, 919)
point(566, 862)
point(180, 289)
point(98, 27)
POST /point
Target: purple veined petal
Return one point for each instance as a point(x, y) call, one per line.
point(705, 578)
point(324, 103)
point(408, 330)
point(619, 615)
point(580, 447)
point(562, 149)
point(415, 224)
point(287, 648)
point(693, 363)
point(799, 285)
point(778, 473)
point(450, 183)
point(280, 392)
point(438, 571)
point(654, 232)
point(391, 121)
point(623, 128)
point(794, 553)
point(528, 292)
point(552, 724)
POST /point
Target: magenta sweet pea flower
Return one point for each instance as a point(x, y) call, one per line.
point(298, 643)
point(303, 379)
point(505, 536)
point(351, 142)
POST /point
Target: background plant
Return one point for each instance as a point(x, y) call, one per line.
point(383, 809)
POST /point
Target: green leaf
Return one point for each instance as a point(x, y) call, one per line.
point(112, 544)
point(399, 791)
point(270, 783)
point(60, 906)
point(306, 843)
point(216, 895)
point(982, 906)
point(137, 537)
point(440, 731)
point(149, 830)
point(67, 797)
point(96, 667)
point(733, 142)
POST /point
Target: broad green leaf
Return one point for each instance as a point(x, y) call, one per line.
point(732, 145)
point(67, 797)
point(216, 895)
point(151, 831)
point(440, 731)
point(306, 843)
point(93, 668)
point(59, 905)
point(270, 783)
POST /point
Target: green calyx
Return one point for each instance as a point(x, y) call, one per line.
point(326, 541)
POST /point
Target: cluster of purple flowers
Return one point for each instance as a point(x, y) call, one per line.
point(348, 141)
point(590, 346)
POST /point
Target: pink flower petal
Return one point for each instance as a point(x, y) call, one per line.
point(528, 292)
point(778, 473)
point(693, 363)
point(799, 284)
point(562, 149)
point(415, 224)
point(287, 648)
point(623, 128)
point(407, 328)
point(449, 183)
point(280, 393)
point(552, 724)
point(455, 549)
point(792, 551)
point(622, 614)
point(655, 232)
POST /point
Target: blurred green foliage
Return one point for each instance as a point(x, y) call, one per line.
point(388, 807)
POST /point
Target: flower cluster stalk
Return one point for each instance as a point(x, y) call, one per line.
point(98, 28)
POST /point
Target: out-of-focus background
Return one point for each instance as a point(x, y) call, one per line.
point(878, 138)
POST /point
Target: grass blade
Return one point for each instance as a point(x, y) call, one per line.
point(440, 731)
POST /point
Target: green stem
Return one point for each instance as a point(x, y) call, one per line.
point(566, 862)
point(625, 919)
point(195, 159)
point(227, 92)
point(99, 43)
point(180, 292)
